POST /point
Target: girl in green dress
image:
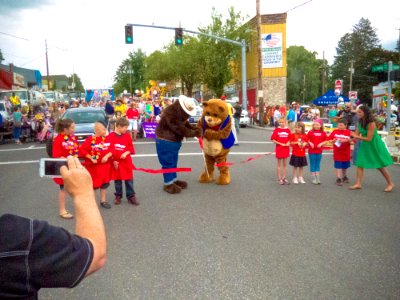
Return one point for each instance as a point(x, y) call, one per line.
point(372, 153)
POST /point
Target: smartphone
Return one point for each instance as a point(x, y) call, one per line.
point(50, 167)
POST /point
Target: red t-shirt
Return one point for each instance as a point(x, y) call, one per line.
point(281, 135)
point(64, 147)
point(99, 172)
point(132, 114)
point(119, 145)
point(341, 151)
point(296, 149)
point(316, 137)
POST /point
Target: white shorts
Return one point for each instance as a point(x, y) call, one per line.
point(133, 124)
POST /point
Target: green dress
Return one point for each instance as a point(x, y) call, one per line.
point(372, 154)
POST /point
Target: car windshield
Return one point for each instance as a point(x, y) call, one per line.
point(21, 94)
point(80, 117)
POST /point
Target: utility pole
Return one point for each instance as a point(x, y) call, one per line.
point(351, 74)
point(260, 94)
point(47, 66)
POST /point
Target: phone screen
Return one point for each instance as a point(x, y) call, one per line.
point(52, 167)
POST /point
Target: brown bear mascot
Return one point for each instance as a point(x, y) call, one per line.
point(171, 130)
point(218, 138)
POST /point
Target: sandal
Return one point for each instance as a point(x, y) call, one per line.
point(66, 215)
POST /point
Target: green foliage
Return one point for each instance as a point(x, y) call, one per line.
point(130, 73)
point(358, 46)
point(78, 83)
point(218, 55)
point(1, 56)
point(304, 72)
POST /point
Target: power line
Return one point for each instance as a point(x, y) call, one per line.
point(298, 6)
point(25, 39)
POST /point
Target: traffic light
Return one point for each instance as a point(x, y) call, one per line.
point(128, 35)
point(178, 36)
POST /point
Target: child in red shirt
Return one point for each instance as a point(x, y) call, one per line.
point(64, 145)
point(298, 160)
point(316, 139)
point(341, 139)
point(122, 169)
point(133, 115)
point(96, 152)
point(280, 137)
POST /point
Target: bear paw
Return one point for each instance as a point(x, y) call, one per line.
point(224, 179)
point(204, 178)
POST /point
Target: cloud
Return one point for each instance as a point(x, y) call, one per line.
point(8, 7)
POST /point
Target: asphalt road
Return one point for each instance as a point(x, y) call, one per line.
point(253, 239)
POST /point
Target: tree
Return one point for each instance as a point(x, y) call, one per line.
point(124, 80)
point(303, 80)
point(1, 56)
point(217, 56)
point(78, 83)
point(355, 47)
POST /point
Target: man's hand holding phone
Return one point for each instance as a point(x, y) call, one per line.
point(77, 180)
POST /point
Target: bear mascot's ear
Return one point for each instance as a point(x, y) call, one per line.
point(205, 104)
point(221, 109)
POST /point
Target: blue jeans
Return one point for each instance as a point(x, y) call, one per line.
point(16, 133)
point(315, 162)
point(129, 191)
point(168, 153)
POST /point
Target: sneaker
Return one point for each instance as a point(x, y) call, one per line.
point(346, 179)
point(317, 179)
point(132, 200)
point(301, 180)
point(281, 182)
point(339, 182)
point(285, 181)
point(105, 205)
point(117, 200)
point(295, 181)
point(314, 179)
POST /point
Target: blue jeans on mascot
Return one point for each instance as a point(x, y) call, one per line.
point(168, 153)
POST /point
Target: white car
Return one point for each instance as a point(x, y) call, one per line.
point(244, 119)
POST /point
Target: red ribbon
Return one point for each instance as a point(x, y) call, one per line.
point(162, 171)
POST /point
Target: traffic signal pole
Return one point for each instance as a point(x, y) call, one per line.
point(241, 44)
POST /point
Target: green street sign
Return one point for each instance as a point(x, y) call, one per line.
point(384, 68)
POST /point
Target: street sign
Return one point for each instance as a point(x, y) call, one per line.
point(353, 95)
point(384, 68)
point(338, 84)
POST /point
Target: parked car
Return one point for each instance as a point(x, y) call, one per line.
point(244, 119)
point(84, 119)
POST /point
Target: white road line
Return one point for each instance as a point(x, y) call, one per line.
point(33, 147)
point(149, 155)
point(22, 149)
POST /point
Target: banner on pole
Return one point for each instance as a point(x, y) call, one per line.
point(271, 47)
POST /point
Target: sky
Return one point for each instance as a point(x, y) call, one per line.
point(87, 36)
